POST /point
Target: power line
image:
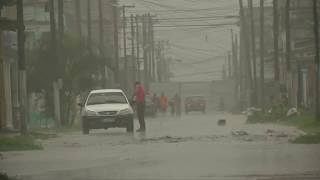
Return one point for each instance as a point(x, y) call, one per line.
point(186, 47)
point(197, 25)
point(198, 73)
point(200, 17)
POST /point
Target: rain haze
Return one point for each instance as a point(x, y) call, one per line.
point(159, 89)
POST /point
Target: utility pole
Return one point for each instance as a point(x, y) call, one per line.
point(78, 18)
point(245, 44)
point(55, 57)
point(149, 37)
point(60, 63)
point(3, 113)
point(138, 48)
point(89, 26)
point(145, 52)
point(116, 44)
point(153, 51)
point(53, 29)
point(316, 37)
point(235, 66)
point(101, 44)
point(101, 29)
point(276, 40)
point(288, 35)
point(124, 24)
point(133, 58)
point(22, 68)
point(253, 49)
point(229, 64)
point(60, 18)
point(262, 98)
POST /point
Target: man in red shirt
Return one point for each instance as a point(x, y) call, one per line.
point(140, 105)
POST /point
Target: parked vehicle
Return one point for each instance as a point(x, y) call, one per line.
point(195, 103)
point(107, 108)
point(151, 107)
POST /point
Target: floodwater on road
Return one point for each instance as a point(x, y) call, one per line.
point(190, 147)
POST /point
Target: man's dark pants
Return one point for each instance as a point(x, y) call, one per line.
point(140, 113)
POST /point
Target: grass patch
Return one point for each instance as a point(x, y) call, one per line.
point(307, 139)
point(4, 176)
point(19, 143)
point(308, 124)
point(305, 122)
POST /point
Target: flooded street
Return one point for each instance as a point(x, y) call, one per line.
point(190, 147)
point(230, 89)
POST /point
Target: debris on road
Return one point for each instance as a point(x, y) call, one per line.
point(222, 122)
point(167, 139)
point(293, 112)
point(269, 131)
point(239, 133)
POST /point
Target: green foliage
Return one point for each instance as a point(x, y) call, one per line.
point(6, 3)
point(308, 123)
point(19, 143)
point(76, 69)
point(305, 122)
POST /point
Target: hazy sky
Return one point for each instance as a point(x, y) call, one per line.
point(201, 48)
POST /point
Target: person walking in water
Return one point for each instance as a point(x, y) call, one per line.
point(177, 99)
point(139, 95)
point(172, 104)
point(163, 103)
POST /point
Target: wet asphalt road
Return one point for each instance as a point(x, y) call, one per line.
point(190, 147)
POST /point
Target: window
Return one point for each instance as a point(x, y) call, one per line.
point(107, 98)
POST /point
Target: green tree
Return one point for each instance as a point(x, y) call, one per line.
point(78, 70)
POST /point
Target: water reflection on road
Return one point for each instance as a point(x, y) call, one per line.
point(189, 147)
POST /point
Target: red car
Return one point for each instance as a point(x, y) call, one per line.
point(195, 103)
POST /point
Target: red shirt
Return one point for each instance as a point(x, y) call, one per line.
point(140, 93)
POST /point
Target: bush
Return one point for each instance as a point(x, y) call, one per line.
point(19, 143)
point(4, 176)
point(278, 112)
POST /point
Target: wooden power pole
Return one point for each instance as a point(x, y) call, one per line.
point(124, 24)
point(288, 35)
point(316, 38)
point(138, 48)
point(145, 52)
point(60, 18)
point(153, 59)
point(78, 18)
point(133, 58)
point(22, 68)
point(253, 49)
point(245, 44)
point(116, 44)
point(89, 40)
point(276, 40)
point(235, 68)
point(262, 94)
point(101, 45)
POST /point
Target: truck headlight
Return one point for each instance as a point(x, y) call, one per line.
point(125, 111)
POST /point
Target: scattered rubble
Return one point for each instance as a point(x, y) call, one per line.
point(222, 122)
point(239, 133)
